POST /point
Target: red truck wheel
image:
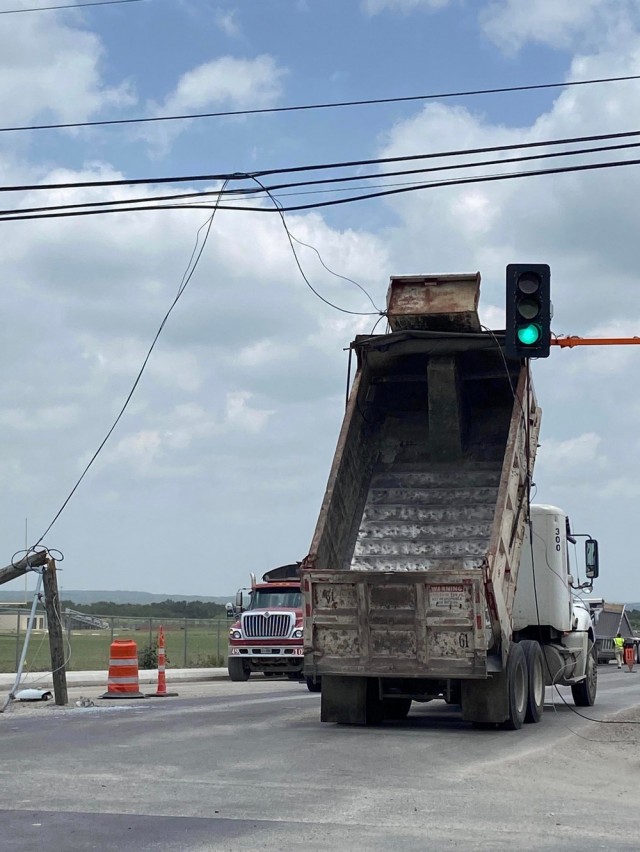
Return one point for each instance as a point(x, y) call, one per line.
point(237, 671)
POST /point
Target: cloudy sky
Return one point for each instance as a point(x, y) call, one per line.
point(218, 466)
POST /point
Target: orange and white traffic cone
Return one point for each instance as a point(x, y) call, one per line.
point(161, 691)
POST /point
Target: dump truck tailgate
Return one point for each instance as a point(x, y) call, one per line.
point(409, 624)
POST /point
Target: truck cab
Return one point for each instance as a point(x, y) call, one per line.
point(266, 636)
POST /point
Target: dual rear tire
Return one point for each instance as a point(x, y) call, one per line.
point(520, 691)
point(525, 683)
point(535, 679)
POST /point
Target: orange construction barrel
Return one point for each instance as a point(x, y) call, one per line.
point(123, 679)
point(629, 654)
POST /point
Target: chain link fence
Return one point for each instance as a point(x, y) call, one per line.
point(190, 642)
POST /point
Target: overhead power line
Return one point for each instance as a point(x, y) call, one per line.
point(66, 6)
point(319, 204)
point(317, 167)
point(304, 107)
point(452, 182)
point(248, 192)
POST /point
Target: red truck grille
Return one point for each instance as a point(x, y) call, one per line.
point(267, 626)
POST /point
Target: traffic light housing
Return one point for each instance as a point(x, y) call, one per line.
point(529, 311)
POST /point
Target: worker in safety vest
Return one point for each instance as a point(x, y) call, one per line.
point(618, 647)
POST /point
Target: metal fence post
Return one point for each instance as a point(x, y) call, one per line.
point(186, 625)
point(69, 648)
point(218, 643)
point(112, 620)
point(150, 632)
point(17, 639)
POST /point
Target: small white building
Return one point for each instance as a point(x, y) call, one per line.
point(16, 619)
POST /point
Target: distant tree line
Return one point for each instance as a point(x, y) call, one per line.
point(162, 609)
point(634, 618)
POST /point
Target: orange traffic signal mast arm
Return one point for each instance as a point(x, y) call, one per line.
point(573, 340)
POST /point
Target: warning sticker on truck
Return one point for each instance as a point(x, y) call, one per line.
point(449, 597)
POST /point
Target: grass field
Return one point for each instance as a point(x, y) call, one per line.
point(195, 647)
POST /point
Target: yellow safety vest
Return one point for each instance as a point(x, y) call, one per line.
point(618, 642)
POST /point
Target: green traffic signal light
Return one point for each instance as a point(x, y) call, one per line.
point(529, 311)
point(530, 334)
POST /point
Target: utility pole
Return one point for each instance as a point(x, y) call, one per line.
point(56, 640)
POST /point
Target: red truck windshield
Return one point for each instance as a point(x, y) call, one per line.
point(270, 598)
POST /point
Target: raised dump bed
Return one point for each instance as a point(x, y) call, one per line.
point(412, 572)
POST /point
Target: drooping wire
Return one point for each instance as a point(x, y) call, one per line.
point(337, 274)
point(186, 278)
point(278, 207)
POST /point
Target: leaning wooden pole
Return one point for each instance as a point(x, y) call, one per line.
point(20, 568)
point(56, 638)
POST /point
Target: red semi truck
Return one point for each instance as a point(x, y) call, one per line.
point(267, 634)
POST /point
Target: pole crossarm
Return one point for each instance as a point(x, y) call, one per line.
point(574, 340)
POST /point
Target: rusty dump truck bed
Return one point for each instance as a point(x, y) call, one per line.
point(413, 565)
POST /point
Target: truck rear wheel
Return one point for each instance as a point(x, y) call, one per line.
point(517, 688)
point(396, 708)
point(237, 671)
point(535, 679)
point(313, 684)
point(351, 700)
point(584, 693)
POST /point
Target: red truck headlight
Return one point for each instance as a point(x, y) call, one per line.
point(297, 634)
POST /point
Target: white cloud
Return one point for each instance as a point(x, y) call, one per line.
point(264, 352)
point(241, 415)
point(140, 450)
point(571, 454)
point(37, 419)
point(56, 69)
point(513, 23)
point(374, 7)
point(619, 488)
point(227, 81)
point(228, 22)
point(16, 479)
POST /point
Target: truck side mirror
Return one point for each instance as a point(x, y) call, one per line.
point(239, 600)
point(591, 558)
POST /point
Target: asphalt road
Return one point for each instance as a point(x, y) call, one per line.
point(249, 767)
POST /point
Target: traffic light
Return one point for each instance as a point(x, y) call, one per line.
point(528, 310)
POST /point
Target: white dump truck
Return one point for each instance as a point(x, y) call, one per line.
point(430, 575)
